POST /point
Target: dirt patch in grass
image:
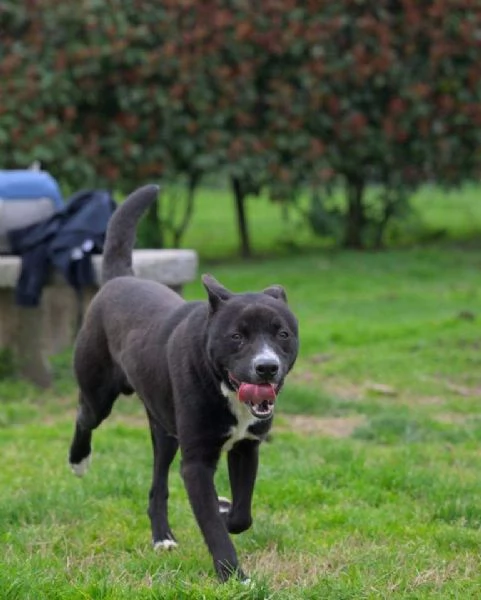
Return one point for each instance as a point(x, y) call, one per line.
point(311, 375)
point(344, 390)
point(454, 387)
point(337, 427)
point(463, 569)
point(132, 420)
point(452, 418)
point(51, 419)
point(427, 400)
point(305, 569)
point(291, 570)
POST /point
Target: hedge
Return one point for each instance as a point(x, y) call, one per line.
point(280, 94)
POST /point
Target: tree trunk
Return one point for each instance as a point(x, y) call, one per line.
point(387, 212)
point(355, 218)
point(151, 230)
point(179, 231)
point(239, 199)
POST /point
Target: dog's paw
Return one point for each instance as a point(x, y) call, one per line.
point(224, 505)
point(81, 468)
point(166, 544)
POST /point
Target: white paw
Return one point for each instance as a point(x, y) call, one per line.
point(165, 545)
point(224, 505)
point(81, 468)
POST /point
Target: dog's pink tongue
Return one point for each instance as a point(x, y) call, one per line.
point(255, 394)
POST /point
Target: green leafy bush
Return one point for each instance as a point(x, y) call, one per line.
point(278, 94)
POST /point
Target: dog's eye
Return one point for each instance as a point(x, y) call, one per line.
point(236, 337)
point(283, 334)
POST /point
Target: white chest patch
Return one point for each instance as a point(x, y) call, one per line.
point(244, 418)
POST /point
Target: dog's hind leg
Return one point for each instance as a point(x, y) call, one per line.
point(165, 448)
point(93, 409)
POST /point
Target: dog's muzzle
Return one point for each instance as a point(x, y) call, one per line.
point(259, 397)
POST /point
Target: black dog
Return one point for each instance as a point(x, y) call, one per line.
point(208, 374)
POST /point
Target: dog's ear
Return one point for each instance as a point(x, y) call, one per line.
point(216, 292)
point(277, 292)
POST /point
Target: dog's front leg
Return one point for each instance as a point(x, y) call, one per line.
point(199, 481)
point(242, 461)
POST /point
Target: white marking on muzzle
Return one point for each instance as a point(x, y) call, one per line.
point(266, 354)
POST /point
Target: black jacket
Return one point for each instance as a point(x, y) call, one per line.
point(66, 240)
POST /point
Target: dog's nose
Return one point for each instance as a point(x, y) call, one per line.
point(266, 368)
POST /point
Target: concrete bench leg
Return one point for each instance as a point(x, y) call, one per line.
point(21, 334)
point(59, 316)
point(30, 354)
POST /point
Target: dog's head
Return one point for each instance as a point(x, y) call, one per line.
point(252, 343)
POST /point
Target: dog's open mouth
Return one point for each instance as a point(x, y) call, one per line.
point(259, 397)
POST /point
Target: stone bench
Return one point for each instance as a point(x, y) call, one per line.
point(34, 334)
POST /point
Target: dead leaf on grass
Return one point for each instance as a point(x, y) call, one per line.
point(381, 388)
point(461, 390)
point(466, 315)
point(320, 358)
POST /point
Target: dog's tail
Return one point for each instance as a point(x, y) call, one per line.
point(121, 231)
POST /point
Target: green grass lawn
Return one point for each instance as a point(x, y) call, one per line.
point(370, 487)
